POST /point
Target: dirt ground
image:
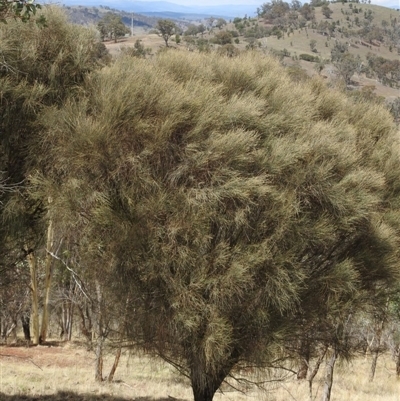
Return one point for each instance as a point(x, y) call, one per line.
point(152, 41)
point(53, 354)
point(61, 371)
point(65, 372)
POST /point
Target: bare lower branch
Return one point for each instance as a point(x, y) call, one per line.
point(78, 280)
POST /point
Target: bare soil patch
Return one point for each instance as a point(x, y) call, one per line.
point(52, 354)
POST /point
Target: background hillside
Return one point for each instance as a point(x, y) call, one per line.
point(162, 7)
point(83, 15)
point(353, 42)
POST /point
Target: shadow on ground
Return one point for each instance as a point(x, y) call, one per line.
point(70, 396)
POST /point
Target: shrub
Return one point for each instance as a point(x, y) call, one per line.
point(308, 57)
point(222, 38)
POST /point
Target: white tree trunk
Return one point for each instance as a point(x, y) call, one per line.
point(49, 259)
point(35, 297)
point(330, 365)
point(100, 334)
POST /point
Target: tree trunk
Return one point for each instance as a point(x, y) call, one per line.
point(48, 263)
point(303, 369)
point(204, 386)
point(99, 360)
point(86, 324)
point(398, 366)
point(25, 320)
point(314, 371)
point(12, 329)
point(304, 354)
point(375, 355)
point(115, 365)
point(397, 360)
point(375, 349)
point(206, 383)
point(330, 365)
point(100, 334)
point(35, 297)
point(70, 321)
point(66, 320)
point(122, 325)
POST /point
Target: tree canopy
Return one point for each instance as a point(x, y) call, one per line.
point(20, 9)
point(166, 28)
point(40, 71)
point(224, 201)
point(111, 26)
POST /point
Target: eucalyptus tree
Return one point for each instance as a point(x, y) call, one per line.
point(221, 201)
point(166, 28)
point(20, 9)
point(111, 26)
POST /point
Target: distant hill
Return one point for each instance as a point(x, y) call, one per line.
point(162, 8)
point(180, 16)
point(86, 15)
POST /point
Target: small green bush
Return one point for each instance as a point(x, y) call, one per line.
point(308, 57)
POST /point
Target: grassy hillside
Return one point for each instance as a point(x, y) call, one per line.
point(367, 36)
point(299, 41)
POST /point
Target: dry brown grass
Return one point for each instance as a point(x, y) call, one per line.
point(66, 372)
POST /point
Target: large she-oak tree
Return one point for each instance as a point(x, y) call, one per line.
point(224, 199)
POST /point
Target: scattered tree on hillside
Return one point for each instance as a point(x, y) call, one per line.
point(274, 9)
point(369, 16)
point(201, 29)
point(112, 27)
point(318, 3)
point(326, 11)
point(387, 71)
point(210, 23)
point(307, 12)
point(191, 30)
point(166, 28)
point(313, 45)
point(346, 63)
point(346, 66)
point(295, 5)
point(220, 23)
point(223, 38)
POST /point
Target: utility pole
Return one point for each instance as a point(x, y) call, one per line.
point(132, 25)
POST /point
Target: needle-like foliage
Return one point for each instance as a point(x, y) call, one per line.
point(225, 199)
point(39, 66)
